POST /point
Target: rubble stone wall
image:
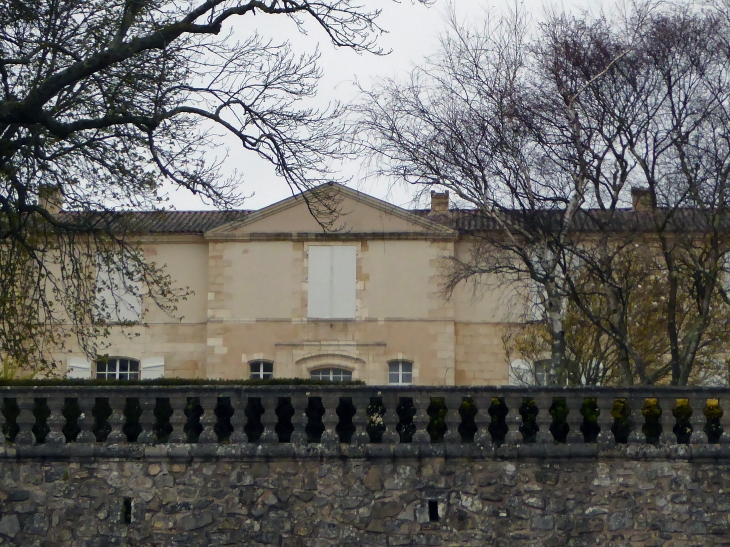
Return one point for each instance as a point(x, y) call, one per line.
point(326, 502)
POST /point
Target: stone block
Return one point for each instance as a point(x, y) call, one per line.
point(37, 524)
point(385, 509)
point(196, 521)
point(620, 521)
point(9, 525)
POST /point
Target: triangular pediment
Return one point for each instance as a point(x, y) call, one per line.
point(335, 210)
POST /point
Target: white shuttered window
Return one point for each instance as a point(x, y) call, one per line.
point(331, 281)
point(78, 368)
point(152, 367)
point(115, 299)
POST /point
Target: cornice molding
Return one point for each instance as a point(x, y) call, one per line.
point(335, 236)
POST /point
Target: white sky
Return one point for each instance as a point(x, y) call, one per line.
point(412, 33)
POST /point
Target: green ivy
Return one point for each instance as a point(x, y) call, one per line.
point(713, 427)
point(437, 424)
point(622, 423)
point(559, 411)
point(652, 427)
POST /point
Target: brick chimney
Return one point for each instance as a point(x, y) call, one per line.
point(439, 202)
point(641, 199)
point(50, 198)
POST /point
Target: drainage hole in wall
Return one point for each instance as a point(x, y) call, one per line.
point(433, 511)
point(127, 511)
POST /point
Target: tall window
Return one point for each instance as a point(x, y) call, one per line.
point(331, 281)
point(331, 374)
point(117, 368)
point(538, 373)
point(117, 297)
point(261, 370)
point(400, 372)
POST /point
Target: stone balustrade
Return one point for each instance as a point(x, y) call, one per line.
point(222, 421)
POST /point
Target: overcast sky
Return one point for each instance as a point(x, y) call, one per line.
point(413, 32)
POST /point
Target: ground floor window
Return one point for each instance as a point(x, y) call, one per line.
point(117, 368)
point(261, 370)
point(332, 374)
point(400, 372)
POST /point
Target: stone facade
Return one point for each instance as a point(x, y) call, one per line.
point(362, 502)
point(248, 301)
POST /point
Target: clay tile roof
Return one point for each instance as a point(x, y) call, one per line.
point(155, 222)
point(462, 220)
point(471, 220)
point(181, 222)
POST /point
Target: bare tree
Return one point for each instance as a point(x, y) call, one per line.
point(662, 108)
point(102, 101)
point(487, 120)
point(687, 171)
point(544, 135)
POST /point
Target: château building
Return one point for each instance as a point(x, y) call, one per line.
point(275, 294)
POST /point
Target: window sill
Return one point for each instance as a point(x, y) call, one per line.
point(332, 320)
point(139, 323)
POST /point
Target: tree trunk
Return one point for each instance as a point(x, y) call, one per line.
point(618, 325)
point(556, 316)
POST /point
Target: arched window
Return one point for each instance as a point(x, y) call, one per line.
point(400, 372)
point(261, 370)
point(331, 374)
point(117, 368)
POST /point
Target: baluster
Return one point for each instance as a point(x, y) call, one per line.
point(483, 420)
point(544, 419)
point(513, 419)
point(636, 404)
point(606, 438)
point(574, 418)
point(3, 439)
point(116, 420)
point(178, 419)
point(299, 401)
point(56, 420)
point(247, 416)
point(330, 419)
point(25, 421)
point(713, 413)
point(453, 418)
point(86, 420)
point(390, 418)
point(421, 419)
point(360, 400)
point(667, 419)
point(269, 419)
point(698, 419)
point(724, 401)
point(238, 420)
point(147, 420)
point(208, 420)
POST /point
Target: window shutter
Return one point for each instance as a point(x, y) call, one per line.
point(78, 368)
point(331, 281)
point(319, 281)
point(118, 303)
point(343, 281)
point(152, 367)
